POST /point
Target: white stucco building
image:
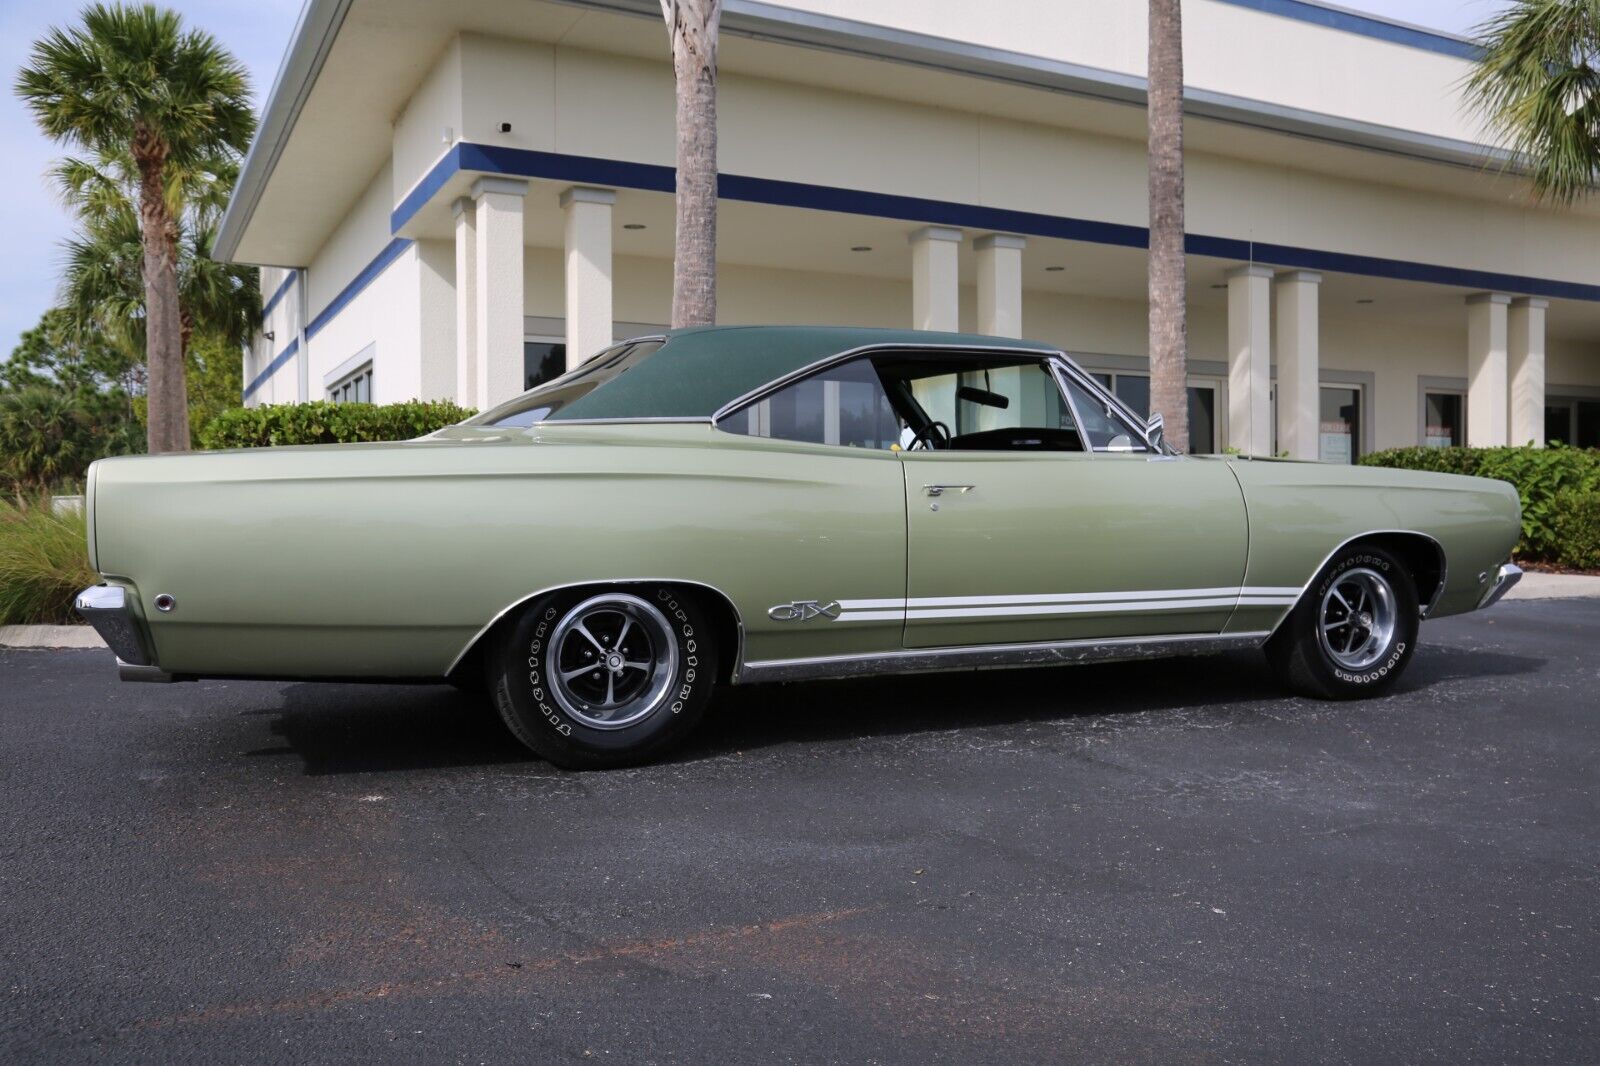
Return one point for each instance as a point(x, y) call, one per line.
point(448, 193)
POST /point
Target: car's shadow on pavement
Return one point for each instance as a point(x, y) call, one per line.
point(340, 729)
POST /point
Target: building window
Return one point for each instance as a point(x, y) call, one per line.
point(1134, 390)
point(1572, 421)
point(543, 359)
point(1339, 436)
point(1444, 419)
point(354, 387)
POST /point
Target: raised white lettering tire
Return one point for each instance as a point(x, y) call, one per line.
point(603, 677)
point(1354, 631)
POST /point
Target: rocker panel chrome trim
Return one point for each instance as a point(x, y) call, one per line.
point(994, 656)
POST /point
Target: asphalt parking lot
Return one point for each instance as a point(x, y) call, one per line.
point(1096, 863)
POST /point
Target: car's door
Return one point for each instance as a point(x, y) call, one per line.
point(1021, 546)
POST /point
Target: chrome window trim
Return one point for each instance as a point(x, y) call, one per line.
point(738, 403)
point(1058, 371)
point(993, 656)
point(1423, 610)
point(1071, 369)
point(690, 420)
point(738, 619)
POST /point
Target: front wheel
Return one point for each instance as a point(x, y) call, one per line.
point(1353, 632)
point(594, 679)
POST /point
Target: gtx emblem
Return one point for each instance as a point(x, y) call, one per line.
point(803, 611)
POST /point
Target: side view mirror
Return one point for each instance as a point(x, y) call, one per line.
point(1155, 429)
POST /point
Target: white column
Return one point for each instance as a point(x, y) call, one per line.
point(935, 283)
point(469, 382)
point(1295, 296)
point(499, 286)
point(1525, 370)
point(1250, 359)
point(436, 320)
point(1487, 404)
point(588, 243)
point(1000, 284)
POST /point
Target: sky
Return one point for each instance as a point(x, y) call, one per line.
point(257, 31)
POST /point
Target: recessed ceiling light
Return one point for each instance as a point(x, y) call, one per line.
point(1054, 270)
point(861, 247)
point(1365, 300)
point(633, 225)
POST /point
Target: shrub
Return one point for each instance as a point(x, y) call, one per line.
point(44, 562)
point(1577, 527)
point(323, 422)
point(1545, 479)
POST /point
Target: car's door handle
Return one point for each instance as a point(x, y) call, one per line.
point(940, 490)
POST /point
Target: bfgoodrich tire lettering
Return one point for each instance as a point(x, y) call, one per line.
point(1354, 632)
point(595, 678)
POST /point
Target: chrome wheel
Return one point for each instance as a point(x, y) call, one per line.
point(613, 658)
point(1357, 619)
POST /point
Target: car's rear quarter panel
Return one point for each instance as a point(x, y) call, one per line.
point(386, 560)
point(1301, 512)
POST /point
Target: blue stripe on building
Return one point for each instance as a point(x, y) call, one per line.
point(1367, 26)
point(650, 177)
point(369, 273)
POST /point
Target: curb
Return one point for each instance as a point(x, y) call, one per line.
point(1537, 585)
point(49, 637)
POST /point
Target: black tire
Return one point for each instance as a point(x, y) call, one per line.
point(580, 723)
point(1355, 661)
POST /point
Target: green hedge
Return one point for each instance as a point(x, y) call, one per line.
point(1557, 485)
point(323, 422)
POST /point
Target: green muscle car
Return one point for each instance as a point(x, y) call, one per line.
point(739, 505)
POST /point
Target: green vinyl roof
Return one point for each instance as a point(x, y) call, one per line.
point(697, 372)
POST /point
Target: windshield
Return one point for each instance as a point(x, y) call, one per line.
point(538, 404)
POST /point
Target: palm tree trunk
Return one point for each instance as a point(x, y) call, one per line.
point(693, 26)
point(1169, 340)
point(167, 391)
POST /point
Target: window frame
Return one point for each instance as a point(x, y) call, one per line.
point(1055, 363)
point(1439, 386)
point(349, 379)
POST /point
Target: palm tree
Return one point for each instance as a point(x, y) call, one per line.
point(1538, 84)
point(101, 281)
point(1169, 335)
point(132, 79)
point(693, 26)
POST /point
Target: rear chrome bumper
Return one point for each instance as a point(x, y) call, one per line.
point(107, 609)
point(1503, 582)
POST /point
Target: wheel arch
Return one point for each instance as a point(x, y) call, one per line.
point(728, 625)
point(1422, 555)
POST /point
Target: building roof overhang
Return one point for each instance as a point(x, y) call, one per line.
point(327, 79)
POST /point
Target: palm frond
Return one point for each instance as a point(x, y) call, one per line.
point(1537, 85)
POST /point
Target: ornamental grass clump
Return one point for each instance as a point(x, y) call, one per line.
point(44, 562)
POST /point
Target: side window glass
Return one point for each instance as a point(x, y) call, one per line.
point(844, 405)
point(1103, 425)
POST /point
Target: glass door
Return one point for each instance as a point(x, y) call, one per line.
point(1339, 430)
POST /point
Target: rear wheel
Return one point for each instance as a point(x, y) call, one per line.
point(600, 678)
point(1354, 631)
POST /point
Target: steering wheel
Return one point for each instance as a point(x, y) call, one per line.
point(931, 436)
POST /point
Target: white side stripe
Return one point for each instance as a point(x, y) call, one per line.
point(1064, 603)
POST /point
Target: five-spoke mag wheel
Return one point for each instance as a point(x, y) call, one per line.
point(1357, 617)
point(601, 677)
point(1354, 631)
point(614, 658)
